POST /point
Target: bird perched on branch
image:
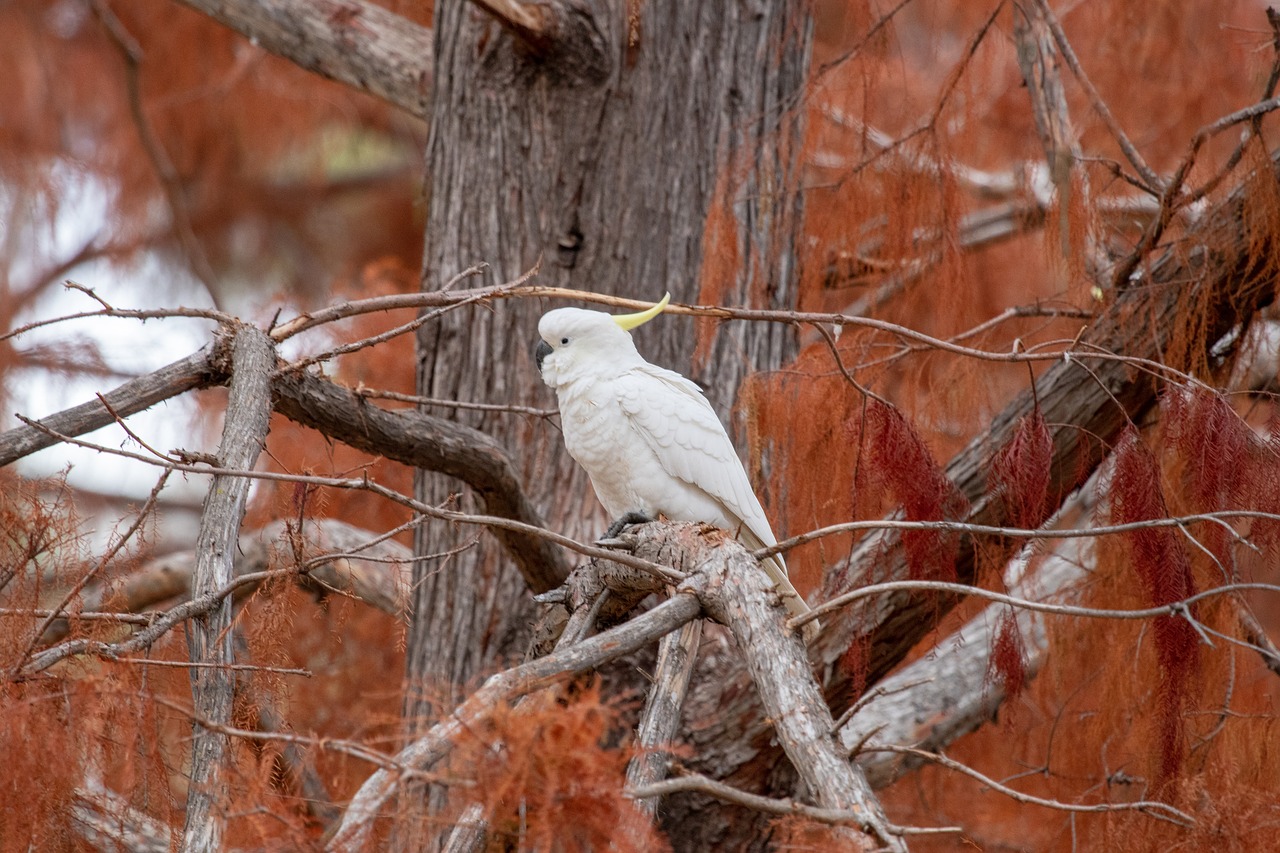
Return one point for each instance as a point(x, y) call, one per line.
point(647, 436)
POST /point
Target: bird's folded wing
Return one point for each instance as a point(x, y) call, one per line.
point(678, 424)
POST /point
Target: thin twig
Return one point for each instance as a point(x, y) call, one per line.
point(1155, 809)
point(106, 558)
point(393, 302)
point(87, 616)
point(379, 394)
point(1016, 532)
point(346, 747)
point(1179, 608)
point(697, 783)
point(665, 572)
point(156, 628)
point(170, 180)
point(1153, 181)
point(229, 667)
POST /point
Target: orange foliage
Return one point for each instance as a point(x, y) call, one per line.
point(1162, 565)
point(549, 778)
point(1020, 471)
point(297, 449)
point(884, 235)
point(166, 107)
point(918, 125)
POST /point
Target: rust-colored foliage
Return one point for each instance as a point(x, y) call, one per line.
point(549, 775)
point(896, 462)
point(1008, 661)
point(884, 235)
point(297, 449)
point(1020, 472)
point(1160, 561)
point(213, 152)
point(1222, 460)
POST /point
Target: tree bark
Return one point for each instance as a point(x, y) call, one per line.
point(351, 41)
point(660, 720)
point(209, 636)
point(603, 154)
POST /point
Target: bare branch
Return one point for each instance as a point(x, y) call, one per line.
point(416, 399)
point(469, 832)
point(187, 374)
point(354, 42)
point(1256, 635)
point(123, 314)
point(107, 821)
point(445, 296)
point(660, 719)
point(1152, 180)
point(209, 639)
point(739, 595)
point(435, 444)
point(1178, 608)
point(1048, 100)
point(1161, 811)
point(1220, 517)
point(170, 181)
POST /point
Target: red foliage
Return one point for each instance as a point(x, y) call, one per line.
point(897, 461)
point(1215, 446)
point(1008, 661)
point(1159, 558)
point(1020, 472)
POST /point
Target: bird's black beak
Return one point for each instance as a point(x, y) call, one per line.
point(540, 352)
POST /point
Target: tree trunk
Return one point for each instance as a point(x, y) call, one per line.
point(601, 148)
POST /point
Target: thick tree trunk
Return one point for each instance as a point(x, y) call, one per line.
point(601, 148)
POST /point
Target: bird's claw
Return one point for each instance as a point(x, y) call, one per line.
point(626, 519)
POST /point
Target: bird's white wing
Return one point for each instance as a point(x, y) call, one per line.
point(678, 424)
point(680, 427)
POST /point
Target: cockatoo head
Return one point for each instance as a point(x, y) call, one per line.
point(577, 343)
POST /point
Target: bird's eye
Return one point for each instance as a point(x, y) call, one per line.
point(564, 341)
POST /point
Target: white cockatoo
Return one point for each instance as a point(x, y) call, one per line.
point(647, 436)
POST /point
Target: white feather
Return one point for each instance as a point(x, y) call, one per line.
point(648, 438)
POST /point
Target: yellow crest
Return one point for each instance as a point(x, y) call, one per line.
point(631, 321)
